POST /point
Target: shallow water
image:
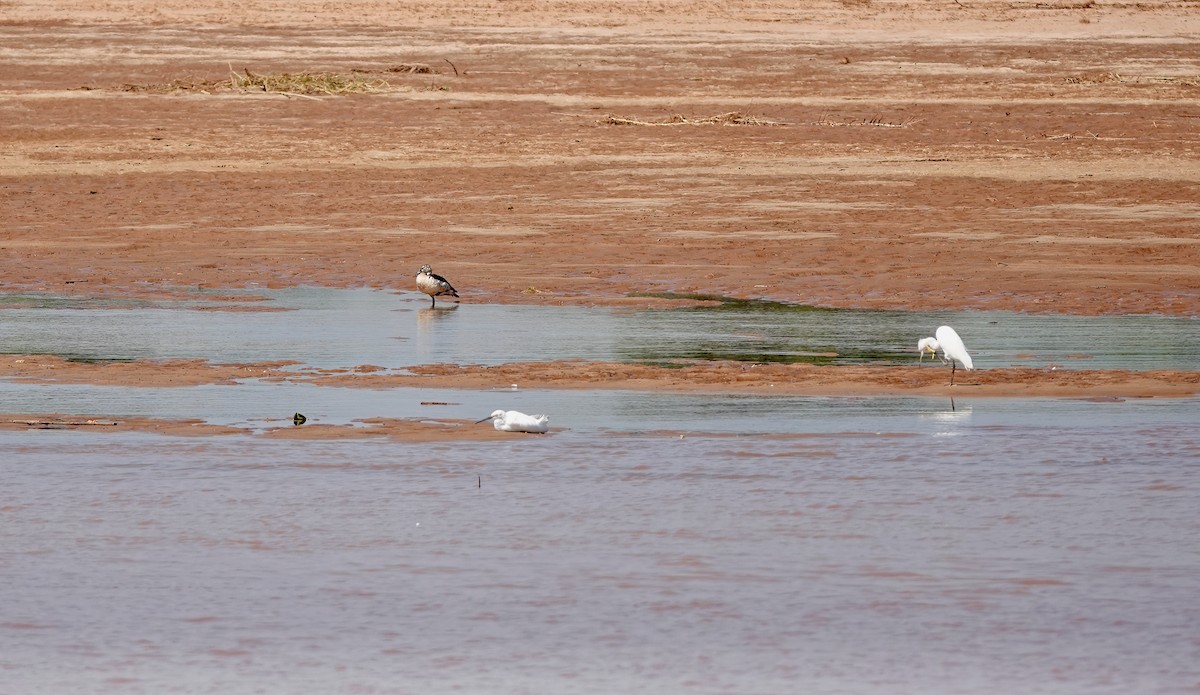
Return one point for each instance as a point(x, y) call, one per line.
point(255, 405)
point(659, 543)
point(343, 328)
point(883, 546)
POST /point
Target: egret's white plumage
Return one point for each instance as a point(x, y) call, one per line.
point(516, 421)
point(433, 284)
point(953, 350)
point(952, 346)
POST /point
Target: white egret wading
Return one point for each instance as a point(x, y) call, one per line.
point(433, 285)
point(953, 350)
point(515, 421)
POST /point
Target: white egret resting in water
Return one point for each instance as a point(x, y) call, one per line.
point(953, 350)
point(433, 285)
point(515, 421)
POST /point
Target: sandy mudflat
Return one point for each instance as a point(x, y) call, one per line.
point(684, 377)
point(990, 155)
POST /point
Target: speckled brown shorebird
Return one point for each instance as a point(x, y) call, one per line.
point(433, 285)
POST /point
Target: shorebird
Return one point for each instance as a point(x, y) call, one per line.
point(952, 348)
point(433, 285)
point(514, 421)
point(925, 345)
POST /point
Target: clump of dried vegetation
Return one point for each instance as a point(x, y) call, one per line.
point(1094, 78)
point(200, 86)
point(308, 83)
point(1115, 78)
point(302, 84)
point(731, 118)
point(876, 121)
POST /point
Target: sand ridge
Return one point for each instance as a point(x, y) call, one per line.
point(680, 376)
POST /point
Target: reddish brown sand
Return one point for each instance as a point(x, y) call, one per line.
point(711, 377)
point(993, 155)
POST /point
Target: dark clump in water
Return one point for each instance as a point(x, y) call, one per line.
point(723, 303)
point(773, 338)
point(786, 355)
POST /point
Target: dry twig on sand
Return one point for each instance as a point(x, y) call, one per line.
point(1071, 136)
point(302, 84)
point(731, 118)
point(877, 122)
point(1115, 78)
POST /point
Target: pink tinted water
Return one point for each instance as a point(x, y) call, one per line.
point(962, 557)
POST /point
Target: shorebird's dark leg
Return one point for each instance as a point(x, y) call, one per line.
point(952, 366)
point(432, 301)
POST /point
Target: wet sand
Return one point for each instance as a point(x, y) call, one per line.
point(60, 421)
point(682, 377)
point(988, 155)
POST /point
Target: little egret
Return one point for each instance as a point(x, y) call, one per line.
point(953, 350)
point(514, 421)
point(929, 345)
point(433, 285)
